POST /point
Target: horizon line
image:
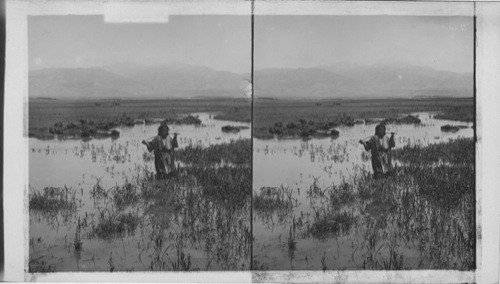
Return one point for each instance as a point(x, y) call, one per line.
point(323, 67)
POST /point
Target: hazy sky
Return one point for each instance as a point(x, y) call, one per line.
point(217, 42)
point(443, 43)
point(224, 42)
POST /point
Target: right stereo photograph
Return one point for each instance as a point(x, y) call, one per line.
point(363, 143)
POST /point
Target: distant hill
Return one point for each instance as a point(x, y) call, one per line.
point(128, 80)
point(343, 80)
point(80, 83)
point(303, 82)
point(350, 80)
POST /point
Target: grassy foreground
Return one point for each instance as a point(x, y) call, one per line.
point(204, 209)
point(421, 217)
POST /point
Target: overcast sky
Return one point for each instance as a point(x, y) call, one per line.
point(224, 42)
point(217, 42)
point(443, 43)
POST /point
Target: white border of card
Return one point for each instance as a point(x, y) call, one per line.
point(487, 148)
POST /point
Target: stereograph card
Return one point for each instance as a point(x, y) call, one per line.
point(251, 141)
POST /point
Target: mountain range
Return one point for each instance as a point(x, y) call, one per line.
point(350, 80)
point(134, 81)
point(342, 80)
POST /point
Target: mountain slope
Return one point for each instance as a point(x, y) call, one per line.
point(186, 77)
point(344, 80)
point(128, 80)
point(302, 82)
point(404, 77)
point(350, 80)
point(82, 83)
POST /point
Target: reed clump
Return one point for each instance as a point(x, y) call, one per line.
point(53, 199)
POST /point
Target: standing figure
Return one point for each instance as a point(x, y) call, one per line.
point(163, 146)
point(380, 146)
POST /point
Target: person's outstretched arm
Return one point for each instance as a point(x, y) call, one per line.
point(365, 144)
point(148, 145)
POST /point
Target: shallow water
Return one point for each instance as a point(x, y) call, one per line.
point(280, 241)
point(76, 162)
point(80, 165)
point(297, 165)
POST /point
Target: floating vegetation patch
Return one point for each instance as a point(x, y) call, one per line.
point(307, 128)
point(189, 120)
point(232, 128)
point(89, 128)
point(409, 119)
point(449, 128)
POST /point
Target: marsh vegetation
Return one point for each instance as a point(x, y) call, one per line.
point(324, 211)
point(97, 206)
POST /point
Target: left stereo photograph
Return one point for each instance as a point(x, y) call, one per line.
point(139, 144)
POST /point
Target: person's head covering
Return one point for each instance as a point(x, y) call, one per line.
point(379, 127)
point(163, 126)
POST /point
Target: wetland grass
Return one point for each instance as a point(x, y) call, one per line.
point(420, 217)
point(125, 195)
point(115, 225)
point(273, 198)
point(97, 191)
point(460, 113)
point(197, 219)
point(235, 152)
point(331, 225)
point(423, 204)
point(457, 151)
point(53, 200)
point(36, 265)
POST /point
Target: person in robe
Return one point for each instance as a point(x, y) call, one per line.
point(163, 147)
point(380, 146)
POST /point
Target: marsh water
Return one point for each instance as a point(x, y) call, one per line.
point(91, 172)
point(182, 230)
point(76, 162)
point(299, 172)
